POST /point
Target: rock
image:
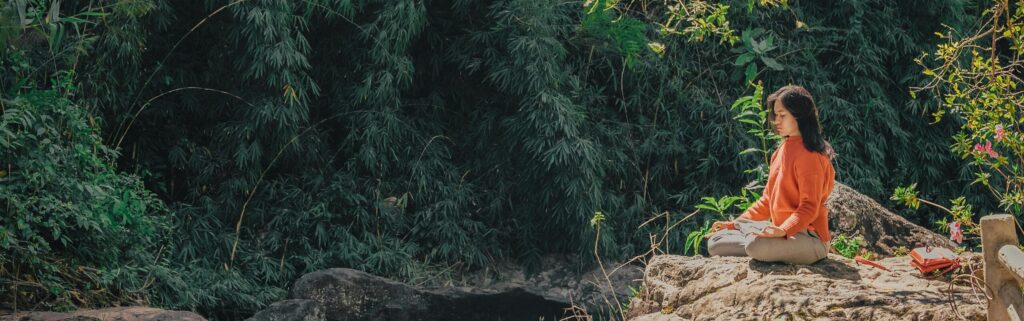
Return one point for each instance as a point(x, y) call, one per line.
point(852, 213)
point(291, 310)
point(351, 295)
point(347, 294)
point(737, 288)
point(558, 281)
point(118, 313)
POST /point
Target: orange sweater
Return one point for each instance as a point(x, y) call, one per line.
point(799, 182)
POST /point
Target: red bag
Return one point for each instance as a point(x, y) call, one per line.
point(928, 259)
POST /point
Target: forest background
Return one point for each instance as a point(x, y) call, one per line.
point(202, 155)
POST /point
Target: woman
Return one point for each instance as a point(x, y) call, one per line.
point(800, 179)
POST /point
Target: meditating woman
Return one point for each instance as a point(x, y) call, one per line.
point(800, 179)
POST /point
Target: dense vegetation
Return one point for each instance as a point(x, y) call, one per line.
point(204, 154)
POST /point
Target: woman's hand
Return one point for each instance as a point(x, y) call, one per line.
point(718, 226)
point(771, 231)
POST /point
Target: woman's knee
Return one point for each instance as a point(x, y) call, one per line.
point(725, 243)
point(761, 249)
point(774, 250)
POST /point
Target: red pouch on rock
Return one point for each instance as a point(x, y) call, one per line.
point(928, 259)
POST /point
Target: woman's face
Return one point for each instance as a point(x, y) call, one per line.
point(785, 124)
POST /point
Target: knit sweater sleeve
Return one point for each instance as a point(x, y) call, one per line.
point(810, 176)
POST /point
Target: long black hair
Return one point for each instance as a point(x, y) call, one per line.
point(800, 104)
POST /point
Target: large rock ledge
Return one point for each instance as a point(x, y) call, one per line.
point(117, 313)
point(737, 288)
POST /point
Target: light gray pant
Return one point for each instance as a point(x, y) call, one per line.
point(803, 248)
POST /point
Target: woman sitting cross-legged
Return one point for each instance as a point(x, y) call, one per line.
point(800, 179)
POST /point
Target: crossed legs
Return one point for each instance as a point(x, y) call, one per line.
point(803, 248)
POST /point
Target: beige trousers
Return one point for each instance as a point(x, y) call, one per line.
point(803, 248)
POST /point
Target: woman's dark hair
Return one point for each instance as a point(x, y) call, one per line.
point(800, 104)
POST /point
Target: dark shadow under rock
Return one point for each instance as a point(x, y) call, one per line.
point(515, 304)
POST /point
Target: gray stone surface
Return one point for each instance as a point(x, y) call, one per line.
point(291, 310)
point(737, 288)
point(118, 313)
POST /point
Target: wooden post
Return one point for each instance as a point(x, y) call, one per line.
point(996, 231)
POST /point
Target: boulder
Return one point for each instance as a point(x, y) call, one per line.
point(118, 313)
point(351, 295)
point(854, 214)
point(291, 310)
point(737, 288)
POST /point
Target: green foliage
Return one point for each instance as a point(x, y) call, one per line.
point(847, 246)
point(750, 112)
point(627, 34)
point(901, 251)
point(75, 231)
point(597, 219)
point(942, 225)
point(753, 51)
point(633, 292)
point(718, 206)
point(694, 239)
point(973, 76)
point(747, 198)
point(906, 195)
point(699, 20)
point(405, 136)
point(960, 210)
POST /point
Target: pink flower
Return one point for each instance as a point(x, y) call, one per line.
point(1000, 132)
point(987, 148)
point(955, 234)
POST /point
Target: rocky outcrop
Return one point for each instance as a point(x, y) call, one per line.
point(507, 294)
point(736, 288)
point(119, 314)
point(852, 213)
